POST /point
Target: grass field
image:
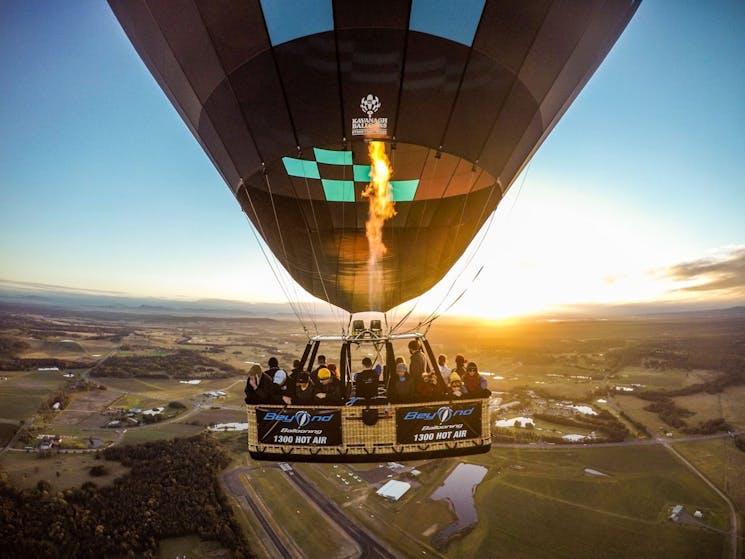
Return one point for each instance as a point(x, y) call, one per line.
point(550, 508)
point(729, 404)
point(207, 417)
point(7, 430)
point(25, 470)
point(160, 432)
point(24, 391)
point(189, 546)
point(304, 524)
point(171, 389)
point(721, 462)
point(667, 379)
point(634, 408)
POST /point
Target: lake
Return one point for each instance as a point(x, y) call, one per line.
point(458, 490)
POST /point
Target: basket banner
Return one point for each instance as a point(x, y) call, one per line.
point(299, 426)
point(437, 424)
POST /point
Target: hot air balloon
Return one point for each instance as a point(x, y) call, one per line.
point(286, 97)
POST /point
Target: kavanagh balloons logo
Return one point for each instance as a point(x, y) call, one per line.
point(370, 104)
point(302, 418)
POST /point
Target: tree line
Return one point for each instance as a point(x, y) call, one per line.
point(183, 363)
point(172, 490)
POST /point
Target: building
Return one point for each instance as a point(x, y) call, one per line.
point(394, 490)
point(675, 512)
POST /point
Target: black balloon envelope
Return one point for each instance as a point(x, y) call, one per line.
point(285, 96)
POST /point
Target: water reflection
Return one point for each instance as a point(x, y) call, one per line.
point(458, 489)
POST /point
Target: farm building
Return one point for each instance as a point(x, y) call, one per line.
point(394, 490)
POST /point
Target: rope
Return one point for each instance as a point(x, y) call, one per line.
point(277, 276)
point(472, 254)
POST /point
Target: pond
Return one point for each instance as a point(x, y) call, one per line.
point(514, 422)
point(458, 490)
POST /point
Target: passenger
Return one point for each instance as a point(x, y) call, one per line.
point(455, 384)
point(328, 389)
point(402, 387)
point(305, 391)
point(366, 381)
point(334, 370)
point(273, 367)
point(400, 359)
point(292, 378)
point(475, 384)
point(321, 365)
point(442, 364)
point(427, 388)
point(281, 389)
point(258, 387)
point(425, 383)
point(460, 365)
point(417, 363)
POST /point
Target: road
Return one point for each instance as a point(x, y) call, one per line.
point(371, 548)
point(734, 518)
point(236, 487)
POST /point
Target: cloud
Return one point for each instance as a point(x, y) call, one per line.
point(721, 276)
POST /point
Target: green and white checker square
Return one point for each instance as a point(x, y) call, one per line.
point(343, 190)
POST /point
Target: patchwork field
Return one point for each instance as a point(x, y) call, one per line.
point(534, 502)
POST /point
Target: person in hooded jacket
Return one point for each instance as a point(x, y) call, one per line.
point(305, 391)
point(402, 385)
point(258, 387)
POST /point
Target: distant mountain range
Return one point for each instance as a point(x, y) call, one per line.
point(40, 295)
point(29, 295)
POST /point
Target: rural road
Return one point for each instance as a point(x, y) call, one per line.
point(236, 487)
point(734, 518)
point(371, 548)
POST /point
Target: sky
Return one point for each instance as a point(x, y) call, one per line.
point(636, 197)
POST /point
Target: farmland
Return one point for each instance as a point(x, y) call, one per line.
point(111, 369)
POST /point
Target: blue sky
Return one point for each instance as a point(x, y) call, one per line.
point(638, 195)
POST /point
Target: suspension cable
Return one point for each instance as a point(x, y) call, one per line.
point(272, 266)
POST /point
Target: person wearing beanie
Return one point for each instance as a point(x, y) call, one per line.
point(328, 390)
point(455, 384)
point(475, 384)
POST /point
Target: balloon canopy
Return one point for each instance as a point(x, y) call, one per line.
point(283, 96)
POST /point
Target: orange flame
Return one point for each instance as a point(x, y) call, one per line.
point(380, 196)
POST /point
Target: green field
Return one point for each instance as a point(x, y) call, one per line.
point(722, 463)
point(62, 471)
point(159, 432)
point(552, 509)
point(729, 404)
point(24, 391)
point(667, 379)
point(302, 523)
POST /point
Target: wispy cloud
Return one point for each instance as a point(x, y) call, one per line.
point(720, 276)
